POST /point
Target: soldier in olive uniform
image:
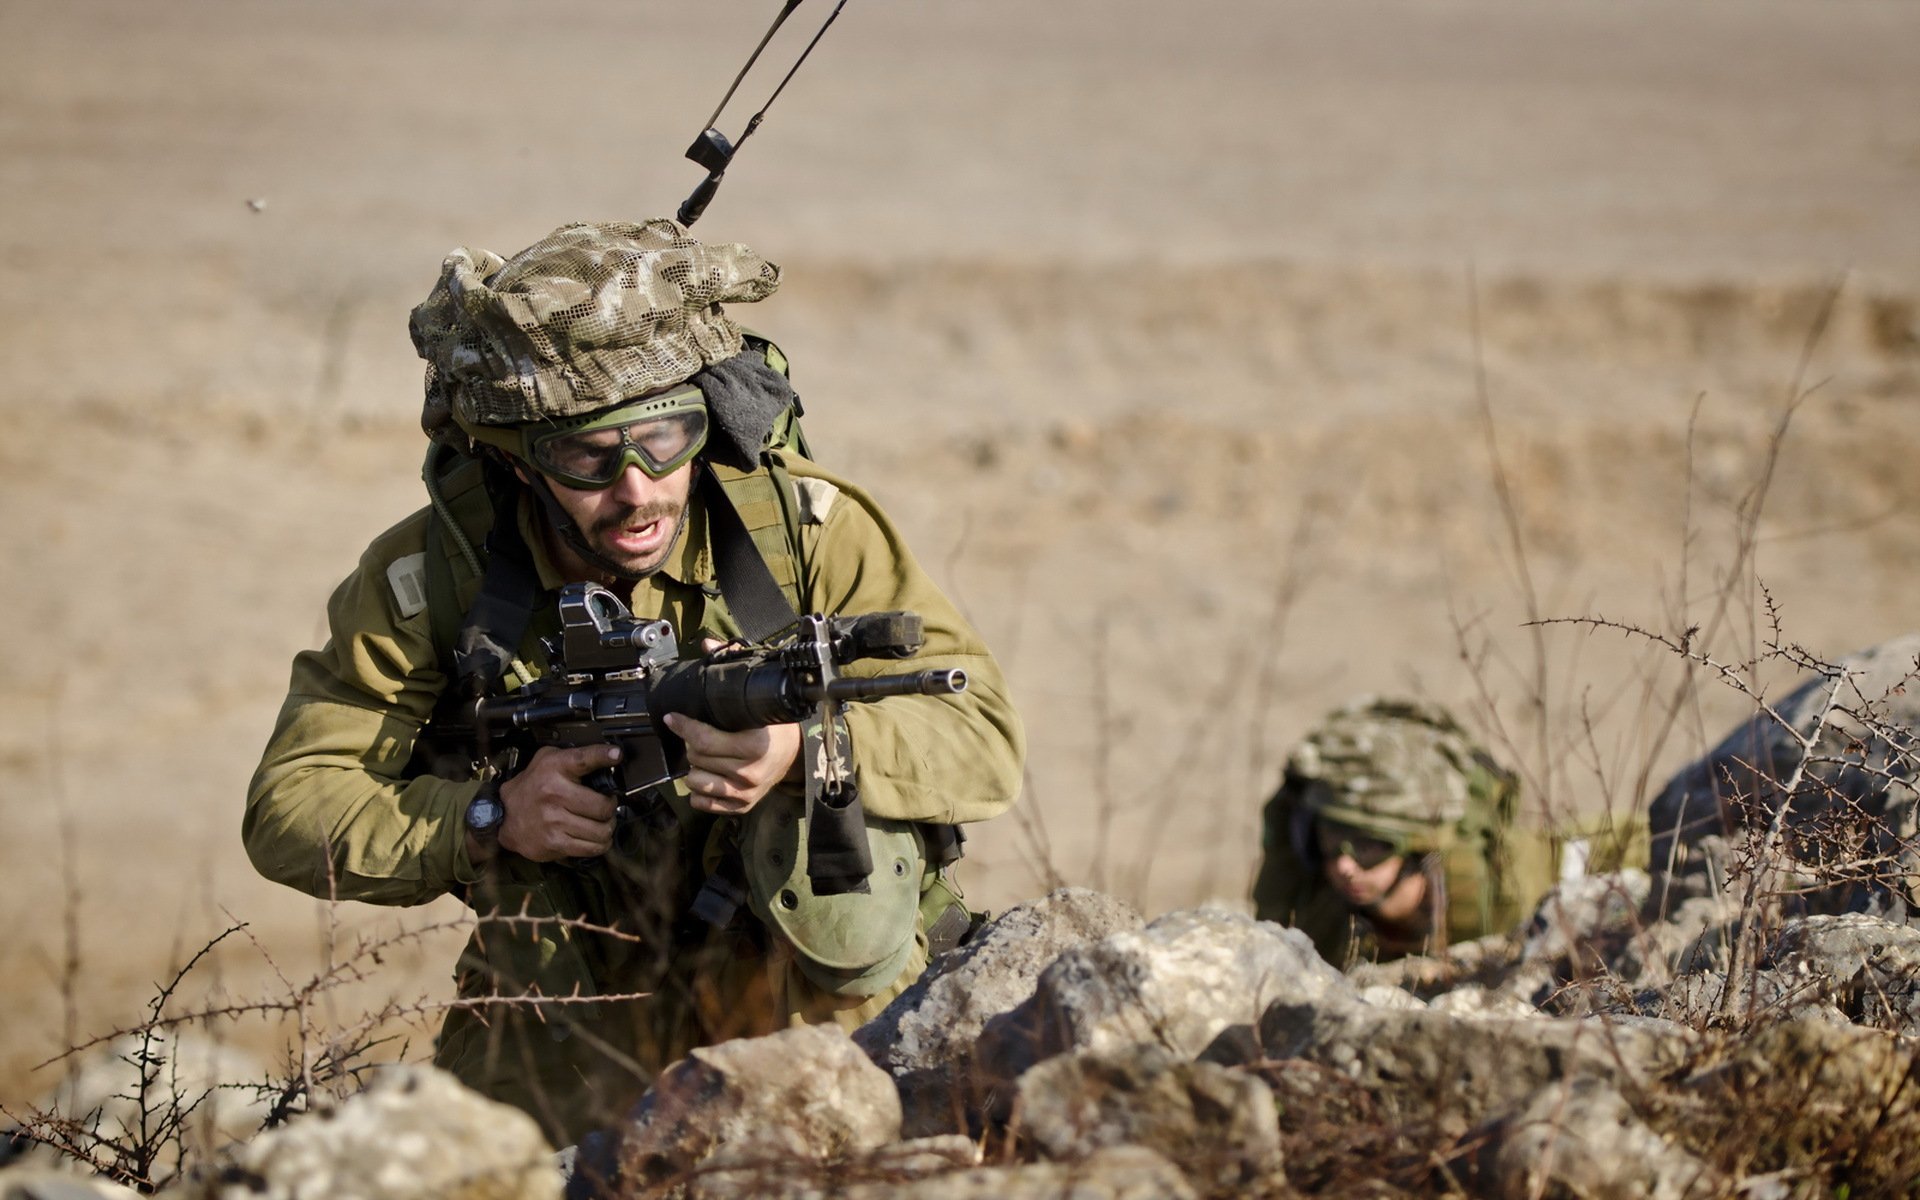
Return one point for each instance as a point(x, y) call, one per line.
point(1393, 834)
point(596, 416)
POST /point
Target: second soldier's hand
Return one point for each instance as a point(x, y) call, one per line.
point(551, 814)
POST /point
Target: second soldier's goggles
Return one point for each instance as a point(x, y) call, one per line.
point(658, 434)
point(1367, 850)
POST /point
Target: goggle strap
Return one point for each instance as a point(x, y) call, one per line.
point(691, 399)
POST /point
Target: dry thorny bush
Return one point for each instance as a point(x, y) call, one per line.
point(143, 1103)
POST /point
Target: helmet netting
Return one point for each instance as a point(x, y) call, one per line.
point(587, 317)
point(1398, 764)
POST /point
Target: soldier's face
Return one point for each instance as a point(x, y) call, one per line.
point(632, 522)
point(1360, 885)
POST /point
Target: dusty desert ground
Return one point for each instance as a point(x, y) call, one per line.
point(1193, 345)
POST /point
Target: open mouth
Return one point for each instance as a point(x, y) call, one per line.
point(641, 538)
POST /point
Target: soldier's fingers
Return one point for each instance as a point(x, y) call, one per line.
point(723, 805)
point(742, 772)
point(579, 800)
point(586, 829)
point(575, 761)
point(556, 843)
point(720, 794)
point(590, 842)
point(720, 748)
point(700, 737)
point(720, 787)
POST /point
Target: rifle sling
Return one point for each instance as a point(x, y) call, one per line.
point(509, 592)
point(838, 859)
point(758, 604)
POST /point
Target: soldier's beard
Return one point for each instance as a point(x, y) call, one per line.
point(606, 534)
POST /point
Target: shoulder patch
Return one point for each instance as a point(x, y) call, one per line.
point(408, 579)
point(816, 499)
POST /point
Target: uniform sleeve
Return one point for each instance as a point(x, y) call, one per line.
point(946, 759)
point(329, 810)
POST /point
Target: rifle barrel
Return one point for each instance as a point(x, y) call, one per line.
point(914, 683)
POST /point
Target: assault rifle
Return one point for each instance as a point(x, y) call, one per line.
point(612, 677)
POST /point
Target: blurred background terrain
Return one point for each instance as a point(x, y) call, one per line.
point(1223, 359)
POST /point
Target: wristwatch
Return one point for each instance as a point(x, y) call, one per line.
point(485, 815)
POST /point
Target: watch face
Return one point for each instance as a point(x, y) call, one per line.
point(485, 813)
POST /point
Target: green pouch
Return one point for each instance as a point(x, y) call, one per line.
point(944, 914)
point(849, 945)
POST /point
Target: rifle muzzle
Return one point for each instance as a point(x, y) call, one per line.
point(914, 683)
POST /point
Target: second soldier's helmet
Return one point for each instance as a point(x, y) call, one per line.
point(1400, 770)
point(588, 317)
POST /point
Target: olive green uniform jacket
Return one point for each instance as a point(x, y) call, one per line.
point(336, 810)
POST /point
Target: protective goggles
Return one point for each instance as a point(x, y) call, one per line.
point(658, 434)
point(1365, 849)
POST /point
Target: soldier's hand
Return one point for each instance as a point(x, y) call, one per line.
point(729, 773)
point(551, 814)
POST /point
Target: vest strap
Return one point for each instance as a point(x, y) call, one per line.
point(509, 592)
point(758, 603)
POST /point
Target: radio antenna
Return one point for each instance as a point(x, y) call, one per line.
point(711, 149)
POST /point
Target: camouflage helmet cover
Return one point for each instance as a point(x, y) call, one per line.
point(591, 315)
point(1402, 769)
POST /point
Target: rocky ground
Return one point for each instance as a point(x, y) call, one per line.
point(1074, 1049)
point(1224, 360)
